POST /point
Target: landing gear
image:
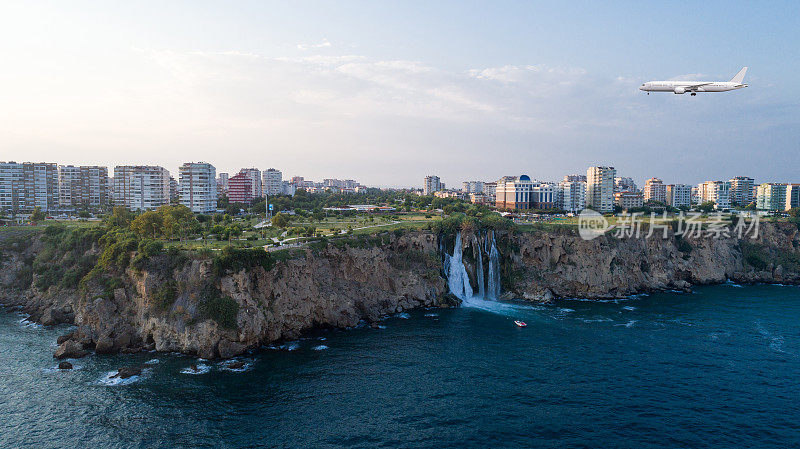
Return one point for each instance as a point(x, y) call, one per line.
point(694, 93)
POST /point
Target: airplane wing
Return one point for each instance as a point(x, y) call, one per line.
point(695, 86)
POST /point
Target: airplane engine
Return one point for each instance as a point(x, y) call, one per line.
point(680, 90)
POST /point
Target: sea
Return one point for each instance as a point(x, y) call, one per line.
point(718, 367)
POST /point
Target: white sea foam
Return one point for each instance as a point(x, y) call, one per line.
point(201, 369)
point(152, 362)
point(320, 348)
point(431, 314)
point(403, 315)
point(565, 310)
point(322, 338)
point(628, 308)
point(381, 326)
point(110, 381)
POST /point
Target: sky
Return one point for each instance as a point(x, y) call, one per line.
point(388, 92)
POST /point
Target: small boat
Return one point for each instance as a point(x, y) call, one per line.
point(520, 323)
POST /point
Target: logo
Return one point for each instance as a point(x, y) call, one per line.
point(592, 224)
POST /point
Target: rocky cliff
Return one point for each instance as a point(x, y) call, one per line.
point(194, 305)
point(190, 306)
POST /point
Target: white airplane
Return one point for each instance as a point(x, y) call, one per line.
point(680, 87)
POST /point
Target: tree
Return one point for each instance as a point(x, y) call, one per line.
point(120, 217)
point(706, 207)
point(280, 220)
point(37, 214)
point(148, 224)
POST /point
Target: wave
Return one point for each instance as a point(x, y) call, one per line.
point(226, 366)
point(403, 315)
point(201, 369)
point(320, 348)
point(109, 381)
point(628, 308)
point(431, 314)
point(152, 362)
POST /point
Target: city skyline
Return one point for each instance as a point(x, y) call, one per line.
point(397, 92)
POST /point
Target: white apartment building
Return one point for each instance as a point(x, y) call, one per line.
point(272, 182)
point(771, 196)
point(198, 186)
point(24, 186)
point(141, 187)
point(741, 190)
point(600, 188)
point(574, 178)
point(716, 191)
point(679, 195)
point(571, 196)
point(655, 190)
point(432, 184)
point(472, 186)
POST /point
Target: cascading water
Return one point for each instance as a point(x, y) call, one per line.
point(493, 290)
point(479, 260)
point(457, 278)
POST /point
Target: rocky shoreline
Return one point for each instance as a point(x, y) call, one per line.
point(188, 305)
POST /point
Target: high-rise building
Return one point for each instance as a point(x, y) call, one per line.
point(174, 191)
point(84, 186)
point(222, 184)
point(141, 187)
point(10, 184)
point(25, 186)
point(741, 191)
point(240, 188)
point(432, 184)
point(272, 182)
point(679, 195)
point(771, 196)
point(198, 186)
point(624, 184)
point(655, 190)
point(600, 188)
point(472, 186)
point(716, 191)
point(255, 175)
point(571, 196)
point(792, 196)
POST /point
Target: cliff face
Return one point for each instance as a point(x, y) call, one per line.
point(336, 287)
point(190, 306)
point(542, 265)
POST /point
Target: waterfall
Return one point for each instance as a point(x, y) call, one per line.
point(494, 272)
point(479, 261)
point(457, 278)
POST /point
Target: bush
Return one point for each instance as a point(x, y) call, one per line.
point(754, 255)
point(222, 309)
point(164, 296)
point(236, 259)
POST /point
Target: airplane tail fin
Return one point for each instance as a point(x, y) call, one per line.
point(739, 76)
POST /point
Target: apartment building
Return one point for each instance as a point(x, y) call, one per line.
point(141, 187)
point(792, 196)
point(716, 191)
point(432, 184)
point(771, 196)
point(514, 193)
point(741, 191)
point(679, 195)
point(255, 175)
point(571, 195)
point(629, 200)
point(624, 184)
point(240, 188)
point(600, 183)
point(25, 186)
point(655, 190)
point(83, 186)
point(198, 186)
point(272, 182)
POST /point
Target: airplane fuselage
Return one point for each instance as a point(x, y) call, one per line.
point(680, 87)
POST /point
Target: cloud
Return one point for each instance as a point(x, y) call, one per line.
point(323, 44)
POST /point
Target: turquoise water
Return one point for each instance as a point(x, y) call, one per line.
point(715, 368)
